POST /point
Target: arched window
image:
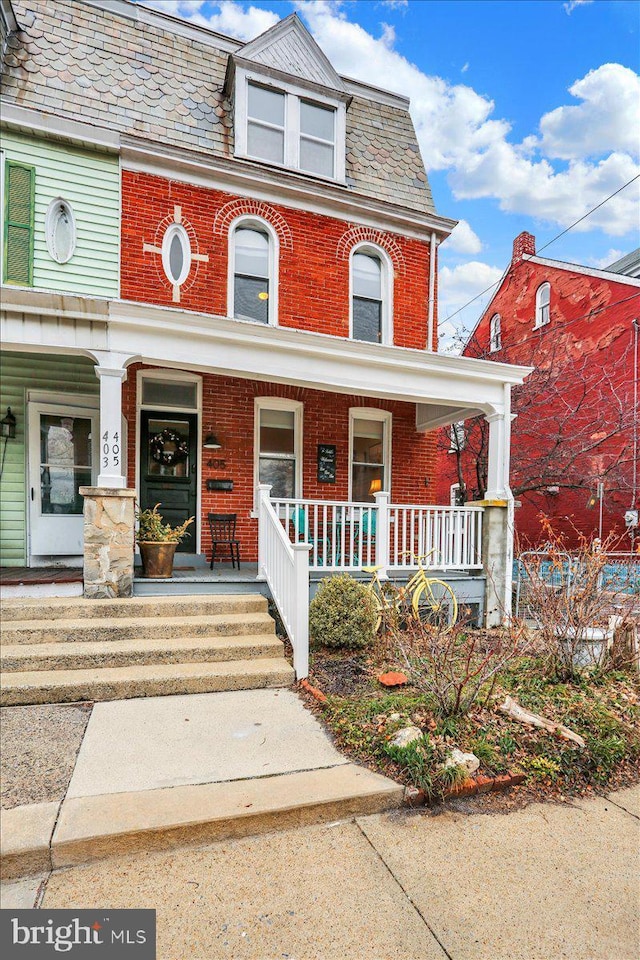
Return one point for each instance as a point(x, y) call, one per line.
point(253, 279)
point(495, 333)
point(543, 300)
point(176, 254)
point(60, 230)
point(371, 309)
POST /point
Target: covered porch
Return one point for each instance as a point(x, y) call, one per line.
point(387, 521)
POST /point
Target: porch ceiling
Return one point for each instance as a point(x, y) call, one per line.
point(444, 388)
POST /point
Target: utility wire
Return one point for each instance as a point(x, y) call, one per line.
point(544, 247)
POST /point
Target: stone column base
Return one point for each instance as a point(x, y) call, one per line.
point(109, 520)
point(497, 560)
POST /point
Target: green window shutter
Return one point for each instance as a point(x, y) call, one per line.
point(18, 230)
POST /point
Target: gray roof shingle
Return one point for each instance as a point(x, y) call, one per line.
point(144, 80)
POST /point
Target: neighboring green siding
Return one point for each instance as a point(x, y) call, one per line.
point(90, 182)
point(20, 372)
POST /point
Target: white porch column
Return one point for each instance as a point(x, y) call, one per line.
point(382, 533)
point(111, 372)
point(497, 529)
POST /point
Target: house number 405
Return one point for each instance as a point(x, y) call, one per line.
point(110, 450)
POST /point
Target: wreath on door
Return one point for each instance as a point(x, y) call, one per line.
point(168, 448)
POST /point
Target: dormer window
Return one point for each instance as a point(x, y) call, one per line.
point(290, 105)
point(286, 129)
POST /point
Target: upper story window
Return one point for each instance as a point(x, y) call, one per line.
point(543, 300)
point(371, 308)
point(176, 254)
point(287, 126)
point(495, 333)
point(253, 272)
point(60, 230)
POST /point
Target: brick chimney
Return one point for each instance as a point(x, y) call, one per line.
point(523, 243)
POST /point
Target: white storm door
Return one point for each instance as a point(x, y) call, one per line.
point(63, 452)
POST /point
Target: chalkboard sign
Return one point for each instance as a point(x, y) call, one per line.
point(326, 463)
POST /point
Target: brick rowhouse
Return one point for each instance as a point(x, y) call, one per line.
point(590, 337)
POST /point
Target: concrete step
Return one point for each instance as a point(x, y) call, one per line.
point(92, 827)
point(137, 628)
point(162, 679)
point(75, 608)
point(23, 657)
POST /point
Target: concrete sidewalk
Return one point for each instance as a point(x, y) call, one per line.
point(544, 883)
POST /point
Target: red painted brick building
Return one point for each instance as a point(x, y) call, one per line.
point(573, 435)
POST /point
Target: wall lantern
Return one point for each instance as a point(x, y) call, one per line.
point(211, 442)
point(8, 425)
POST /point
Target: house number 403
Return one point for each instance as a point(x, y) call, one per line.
point(110, 449)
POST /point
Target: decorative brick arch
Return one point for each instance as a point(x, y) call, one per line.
point(253, 208)
point(156, 247)
point(356, 235)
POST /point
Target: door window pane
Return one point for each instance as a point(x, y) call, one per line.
point(168, 453)
point(65, 462)
point(169, 393)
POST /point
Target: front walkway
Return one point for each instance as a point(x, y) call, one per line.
point(543, 883)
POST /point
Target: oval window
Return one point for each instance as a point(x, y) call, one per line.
point(60, 230)
point(176, 254)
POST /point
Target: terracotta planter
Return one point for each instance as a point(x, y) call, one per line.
point(157, 558)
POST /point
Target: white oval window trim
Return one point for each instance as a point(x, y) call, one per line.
point(176, 230)
point(60, 230)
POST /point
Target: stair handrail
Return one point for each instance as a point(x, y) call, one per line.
point(285, 567)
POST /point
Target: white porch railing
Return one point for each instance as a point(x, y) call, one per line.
point(299, 537)
point(349, 536)
point(285, 567)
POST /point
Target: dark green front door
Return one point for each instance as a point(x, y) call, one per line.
point(169, 468)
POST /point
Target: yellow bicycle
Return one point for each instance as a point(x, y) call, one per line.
point(432, 600)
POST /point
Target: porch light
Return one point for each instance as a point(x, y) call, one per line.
point(375, 487)
point(211, 442)
point(8, 425)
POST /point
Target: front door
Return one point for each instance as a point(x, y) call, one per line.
point(63, 452)
point(169, 468)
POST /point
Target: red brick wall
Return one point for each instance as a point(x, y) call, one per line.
point(228, 408)
point(314, 258)
point(579, 328)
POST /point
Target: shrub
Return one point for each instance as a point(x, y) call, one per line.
point(343, 614)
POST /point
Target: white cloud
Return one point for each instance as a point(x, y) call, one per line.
point(571, 5)
point(601, 263)
point(584, 152)
point(463, 239)
point(229, 17)
point(608, 117)
point(464, 67)
point(395, 4)
point(456, 287)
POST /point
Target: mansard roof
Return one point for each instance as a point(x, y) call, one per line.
point(147, 75)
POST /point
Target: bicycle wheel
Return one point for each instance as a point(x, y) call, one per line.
point(435, 602)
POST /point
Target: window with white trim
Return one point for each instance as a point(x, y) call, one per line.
point(60, 230)
point(371, 299)
point(495, 333)
point(369, 453)
point(284, 125)
point(176, 254)
point(253, 271)
point(543, 302)
point(278, 446)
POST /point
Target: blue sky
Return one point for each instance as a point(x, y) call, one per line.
point(527, 113)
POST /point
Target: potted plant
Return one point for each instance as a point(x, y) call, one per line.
point(158, 541)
